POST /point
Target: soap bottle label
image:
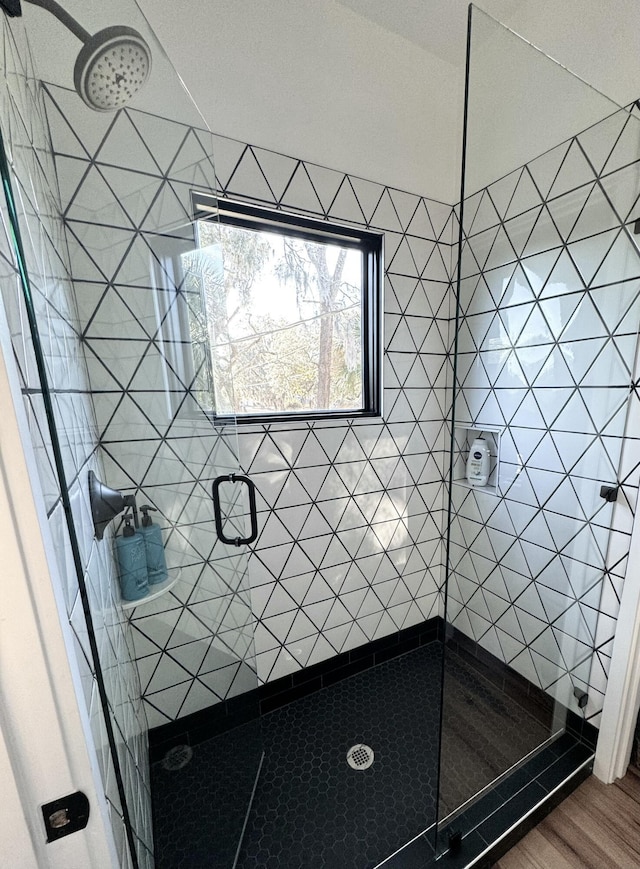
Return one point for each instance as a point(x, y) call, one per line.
point(478, 463)
point(132, 566)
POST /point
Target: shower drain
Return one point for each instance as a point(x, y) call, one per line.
point(177, 757)
point(360, 756)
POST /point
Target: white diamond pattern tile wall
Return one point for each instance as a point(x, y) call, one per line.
point(25, 134)
point(549, 296)
point(350, 512)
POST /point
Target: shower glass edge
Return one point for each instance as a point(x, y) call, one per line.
point(546, 339)
point(118, 286)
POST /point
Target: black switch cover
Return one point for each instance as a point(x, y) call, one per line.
point(66, 815)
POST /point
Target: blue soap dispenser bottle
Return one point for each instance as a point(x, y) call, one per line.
point(132, 562)
point(152, 535)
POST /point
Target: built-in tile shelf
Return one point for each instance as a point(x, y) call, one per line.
point(158, 590)
point(464, 436)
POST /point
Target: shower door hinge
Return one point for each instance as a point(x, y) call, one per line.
point(12, 8)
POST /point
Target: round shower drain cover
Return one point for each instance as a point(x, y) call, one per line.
point(177, 757)
point(360, 756)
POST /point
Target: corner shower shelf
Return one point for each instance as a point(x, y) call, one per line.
point(464, 435)
point(158, 590)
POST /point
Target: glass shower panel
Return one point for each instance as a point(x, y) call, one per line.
point(545, 340)
point(119, 289)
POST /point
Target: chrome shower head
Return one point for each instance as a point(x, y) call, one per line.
point(111, 68)
point(113, 64)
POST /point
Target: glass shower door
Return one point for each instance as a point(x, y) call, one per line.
point(118, 373)
point(545, 343)
point(213, 518)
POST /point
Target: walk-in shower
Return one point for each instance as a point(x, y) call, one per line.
point(401, 664)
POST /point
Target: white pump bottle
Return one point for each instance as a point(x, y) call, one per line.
point(478, 463)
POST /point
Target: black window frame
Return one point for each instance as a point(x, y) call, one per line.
point(370, 244)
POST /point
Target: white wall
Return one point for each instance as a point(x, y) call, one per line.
point(350, 512)
point(599, 41)
point(318, 80)
point(533, 277)
point(374, 98)
point(522, 103)
point(321, 81)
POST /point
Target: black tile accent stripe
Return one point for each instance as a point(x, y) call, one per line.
point(282, 691)
point(217, 719)
point(514, 809)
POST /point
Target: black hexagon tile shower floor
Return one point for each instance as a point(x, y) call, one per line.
point(311, 809)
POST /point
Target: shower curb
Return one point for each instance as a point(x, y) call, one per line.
point(520, 828)
point(506, 812)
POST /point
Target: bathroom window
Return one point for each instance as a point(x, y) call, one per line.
point(288, 312)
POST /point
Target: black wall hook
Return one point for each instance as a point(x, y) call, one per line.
point(609, 493)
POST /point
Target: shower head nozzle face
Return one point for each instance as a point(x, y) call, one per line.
point(111, 68)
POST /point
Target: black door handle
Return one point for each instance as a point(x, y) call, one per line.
point(217, 512)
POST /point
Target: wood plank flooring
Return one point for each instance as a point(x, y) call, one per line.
point(484, 732)
point(597, 827)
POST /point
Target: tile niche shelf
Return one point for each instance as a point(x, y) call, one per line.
point(464, 435)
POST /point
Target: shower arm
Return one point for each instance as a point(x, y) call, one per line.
point(63, 16)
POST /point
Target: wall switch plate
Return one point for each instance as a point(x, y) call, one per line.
point(66, 815)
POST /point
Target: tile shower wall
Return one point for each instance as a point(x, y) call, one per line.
point(24, 131)
point(125, 221)
point(549, 312)
point(350, 512)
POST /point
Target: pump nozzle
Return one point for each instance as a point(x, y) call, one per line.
point(146, 519)
point(128, 530)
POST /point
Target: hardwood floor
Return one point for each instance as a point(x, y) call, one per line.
point(484, 732)
point(597, 827)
